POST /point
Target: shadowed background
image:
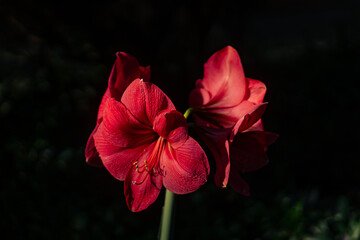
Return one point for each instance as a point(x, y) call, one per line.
point(55, 59)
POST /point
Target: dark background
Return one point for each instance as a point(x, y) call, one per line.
point(55, 59)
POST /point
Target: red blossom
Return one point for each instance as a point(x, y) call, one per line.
point(143, 141)
point(126, 69)
point(227, 111)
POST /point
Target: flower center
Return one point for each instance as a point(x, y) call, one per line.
point(152, 163)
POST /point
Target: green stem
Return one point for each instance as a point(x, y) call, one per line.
point(167, 215)
point(165, 228)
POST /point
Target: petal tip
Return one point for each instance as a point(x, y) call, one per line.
point(94, 161)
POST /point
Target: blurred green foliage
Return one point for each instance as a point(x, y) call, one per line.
point(54, 65)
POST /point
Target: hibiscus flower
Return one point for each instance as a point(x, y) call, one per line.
point(126, 69)
point(227, 108)
point(143, 141)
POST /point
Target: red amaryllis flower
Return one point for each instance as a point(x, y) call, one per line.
point(126, 69)
point(143, 141)
point(227, 110)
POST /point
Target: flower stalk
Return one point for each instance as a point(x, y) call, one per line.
point(168, 209)
point(167, 213)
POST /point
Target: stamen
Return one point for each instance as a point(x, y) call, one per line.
point(151, 164)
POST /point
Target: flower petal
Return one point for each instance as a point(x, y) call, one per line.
point(228, 117)
point(238, 183)
point(218, 144)
point(116, 160)
point(247, 151)
point(264, 138)
point(185, 168)
point(199, 97)
point(91, 154)
point(122, 129)
point(145, 76)
point(224, 79)
point(216, 118)
point(142, 189)
point(256, 91)
point(126, 69)
point(172, 126)
point(145, 101)
point(249, 119)
point(104, 99)
point(141, 196)
point(258, 126)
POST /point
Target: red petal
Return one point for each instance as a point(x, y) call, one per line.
point(126, 69)
point(145, 76)
point(224, 79)
point(218, 144)
point(264, 138)
point(141, 189)
point(91, 154)
point(238, 184)
point(247, 152)
point(227, 117)
point(216, 118)
point(199, 97)
point(139, 197)
point(122, 129)
point(249, 119)
point(104, 99)
point(117, 160)
point(257, 91)
point(185, 168)
point(145, 101)
point(172, 126)
point(258, 126)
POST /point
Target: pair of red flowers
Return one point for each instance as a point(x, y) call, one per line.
point(143, 140)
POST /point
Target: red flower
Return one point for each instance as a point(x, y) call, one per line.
point(126, 69)
point(143, 141)
point(227, 110)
